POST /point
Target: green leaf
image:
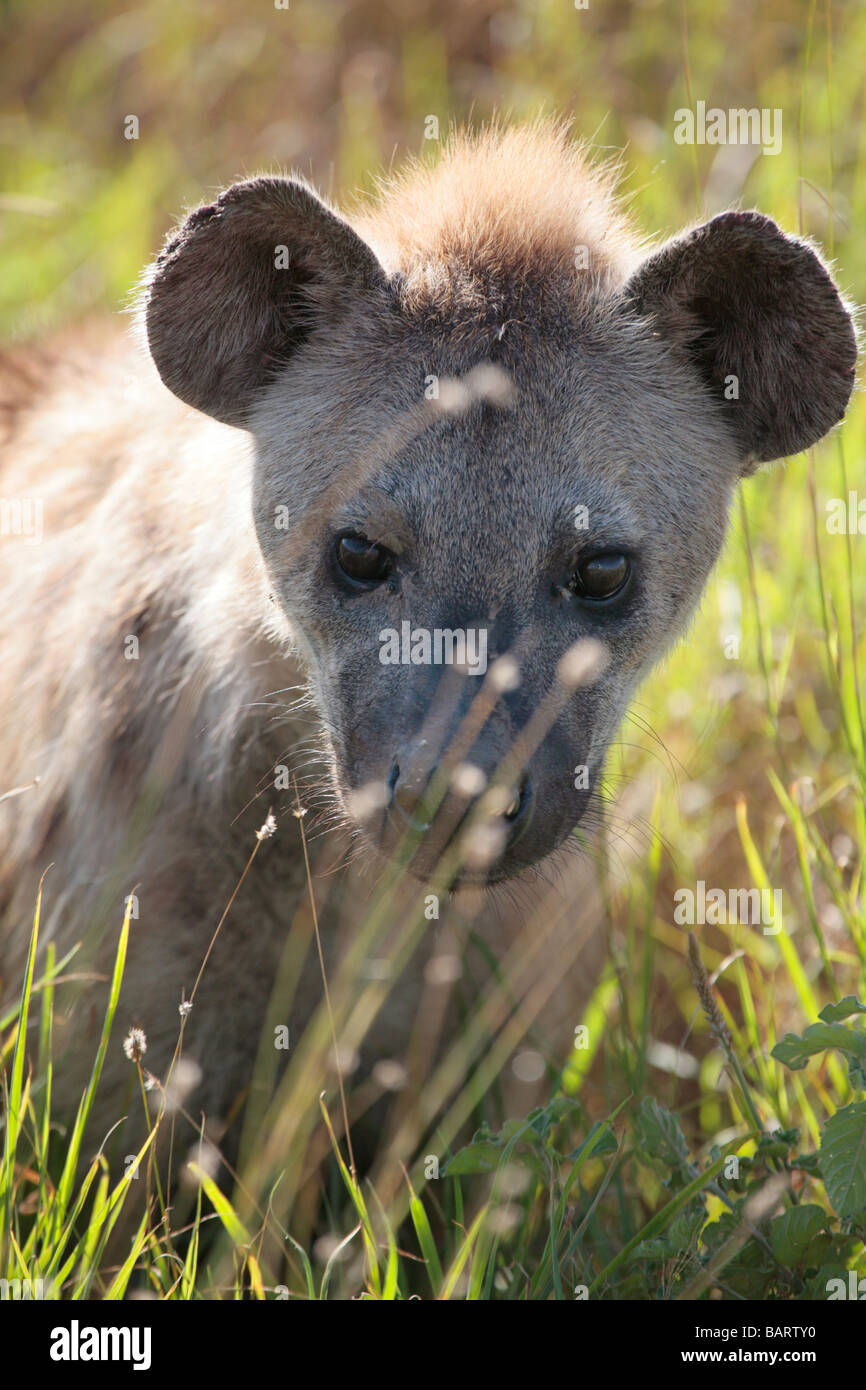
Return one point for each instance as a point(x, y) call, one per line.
point(786, 1137)
point(605, 1145)
point(652, 1250)
point(809, 1163)
point(482, 1157)
point(519, 1141)
point(795, 1051)
point(773, 1149)
point(843, 1159)
point(683, 1232)
point(835, 1013)
point(752, 1272)
point(547, 1117)
point(658, 1135)
point(715, 1233)
point(514, 1129)
point(486, 1155)
point(793, 1231)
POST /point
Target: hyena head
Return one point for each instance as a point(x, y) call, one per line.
point(488, 429)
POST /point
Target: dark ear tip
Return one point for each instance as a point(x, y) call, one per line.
point(734, 218)
point(744, 217)
point(751, 227)
point(202, 214)
point(787, 246)
point(734, 224)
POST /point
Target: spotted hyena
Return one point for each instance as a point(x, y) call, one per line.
point(405, 502)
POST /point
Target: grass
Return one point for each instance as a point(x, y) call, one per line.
point(708, 1140)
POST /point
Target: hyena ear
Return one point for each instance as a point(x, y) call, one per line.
point(240, 286)
point(758, 314)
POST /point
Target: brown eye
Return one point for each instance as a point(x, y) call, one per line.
point(362, 562)
point(601, 576)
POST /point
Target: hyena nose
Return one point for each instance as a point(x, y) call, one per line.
point(412, 793)
point(419, 803)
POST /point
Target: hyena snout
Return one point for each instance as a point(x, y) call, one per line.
point(477, 788)
point(456, 809)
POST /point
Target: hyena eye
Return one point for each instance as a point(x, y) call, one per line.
point(364, 563)
point(601, 576)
